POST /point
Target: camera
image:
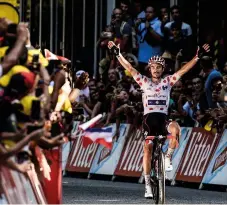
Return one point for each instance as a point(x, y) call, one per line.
point(143, 20)
point(10, 35)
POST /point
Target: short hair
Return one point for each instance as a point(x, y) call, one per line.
point(175, 7)
point(197, 76)
point(126, 2)
point(155, 10)
point(206, 62)
point(116, 9)
point(176, 25)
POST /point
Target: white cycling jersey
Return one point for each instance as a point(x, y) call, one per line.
point(156, 96)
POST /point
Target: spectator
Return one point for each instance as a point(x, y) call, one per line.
point(85, 92)
point(177, 43)
point(122, 29)
point(138, 11)
point(149, 37)
point(176, 15)
point(125, 6)
point(210, 74)
point(164, 18)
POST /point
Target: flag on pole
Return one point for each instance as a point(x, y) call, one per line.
point(101, 136)
point(51, 56)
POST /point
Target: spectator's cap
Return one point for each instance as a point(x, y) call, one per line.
point(79, 73)
point(132, 59)
point(21, 83)
point(167, 55)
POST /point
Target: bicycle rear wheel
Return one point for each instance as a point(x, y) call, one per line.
point(161, 178)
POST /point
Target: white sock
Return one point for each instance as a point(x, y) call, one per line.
point(147, 179)
point(169, 152)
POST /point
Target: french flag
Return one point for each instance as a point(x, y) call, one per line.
point(101, 136)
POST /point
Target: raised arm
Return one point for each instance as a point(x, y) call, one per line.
point(187, 67)
point(116, 50)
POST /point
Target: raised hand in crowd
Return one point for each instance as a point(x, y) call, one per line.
point(12, 58)
point(24, 167)
point(82, 81)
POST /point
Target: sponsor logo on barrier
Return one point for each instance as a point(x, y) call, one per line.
point(130, 163)
point(105, 153)
point(197, 155)
point(220, 160)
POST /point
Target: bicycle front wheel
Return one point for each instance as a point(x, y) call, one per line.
point(161, 178)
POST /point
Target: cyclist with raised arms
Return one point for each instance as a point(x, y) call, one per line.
point(156, 96)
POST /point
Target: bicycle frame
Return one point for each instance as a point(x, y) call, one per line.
point(158, 170)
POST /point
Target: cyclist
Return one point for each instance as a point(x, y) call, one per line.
point(156, 95)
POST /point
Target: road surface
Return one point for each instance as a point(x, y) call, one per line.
point(84, 191)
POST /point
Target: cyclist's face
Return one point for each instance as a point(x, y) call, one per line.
point(156, 70)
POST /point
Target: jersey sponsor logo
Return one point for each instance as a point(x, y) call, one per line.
point(156, 96)
point(156, 102)
point(164, 87)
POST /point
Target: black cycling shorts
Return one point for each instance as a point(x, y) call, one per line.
point(155, 124)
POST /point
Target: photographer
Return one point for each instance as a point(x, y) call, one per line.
point(189, 109)
point(149, 37)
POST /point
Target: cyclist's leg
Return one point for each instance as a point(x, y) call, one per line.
point(147, 156)
point(174, 130)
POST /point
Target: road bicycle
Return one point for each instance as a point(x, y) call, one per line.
point(158, 169)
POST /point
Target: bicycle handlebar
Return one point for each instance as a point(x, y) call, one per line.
point(159, 137)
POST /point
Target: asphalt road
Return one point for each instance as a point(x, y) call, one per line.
point(84, 191)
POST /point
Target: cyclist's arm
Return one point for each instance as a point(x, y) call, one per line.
point(200, 52)
point(187, 66)
point(127, 65)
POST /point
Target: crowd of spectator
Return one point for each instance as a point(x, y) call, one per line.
point(39, 99)
point(143, 33)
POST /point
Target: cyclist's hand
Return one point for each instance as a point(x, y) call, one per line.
point(115, 49)
point(203, 51)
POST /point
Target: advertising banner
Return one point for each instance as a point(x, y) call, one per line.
point(80, 159)
point(106, 160)
point(197, 155)
point(217, 169)
point(130, 163)
point(65, 154)
point(16, 188)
